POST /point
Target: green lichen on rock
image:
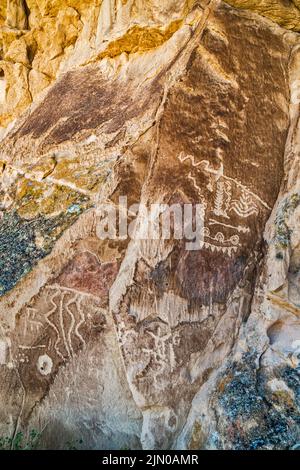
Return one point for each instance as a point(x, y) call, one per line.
point(292, 378)
point(21, 441)
point(250, 415)
point(24, 242)
point(283, 232)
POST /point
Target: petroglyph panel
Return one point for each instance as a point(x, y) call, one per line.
point(206, 152)
point(49, 332)
point(178, 309)
point(66, 314)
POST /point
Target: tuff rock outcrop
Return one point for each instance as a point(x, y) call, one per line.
point(141, 343)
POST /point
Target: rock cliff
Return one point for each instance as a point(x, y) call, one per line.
point(140, 343)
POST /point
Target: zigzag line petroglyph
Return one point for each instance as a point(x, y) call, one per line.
point(193, 179)
point(221, 249)
point(204, 164)
point(198, 189)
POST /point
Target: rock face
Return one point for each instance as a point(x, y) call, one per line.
point(140, 343)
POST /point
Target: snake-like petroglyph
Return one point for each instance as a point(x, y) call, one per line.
point(203, 165)
point(64, 321)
